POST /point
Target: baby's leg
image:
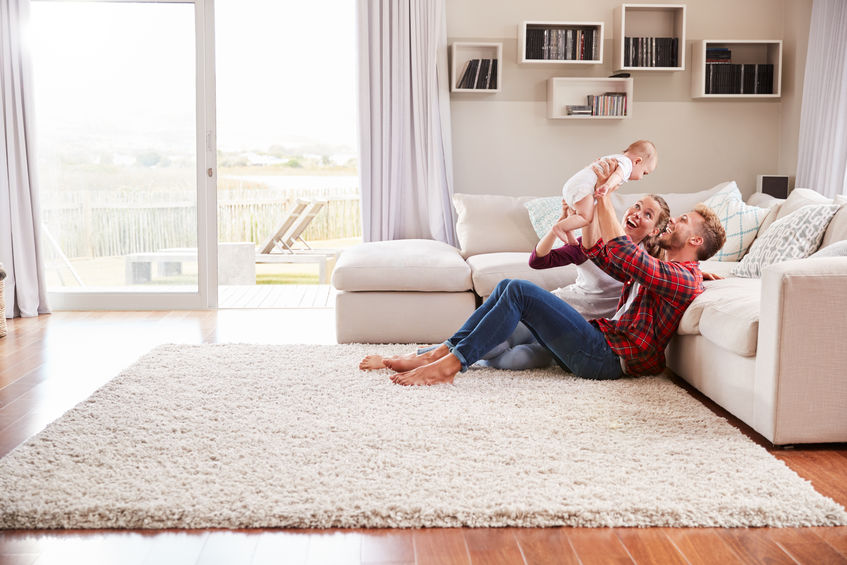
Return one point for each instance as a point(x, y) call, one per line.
point(575, 221)
point(584, 208)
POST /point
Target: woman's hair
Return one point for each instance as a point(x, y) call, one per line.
point(651, 242)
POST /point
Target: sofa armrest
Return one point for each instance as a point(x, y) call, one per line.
point(801, 366)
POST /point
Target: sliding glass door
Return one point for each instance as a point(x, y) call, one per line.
point(124, 98)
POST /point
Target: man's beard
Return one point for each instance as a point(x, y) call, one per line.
point(671, 242)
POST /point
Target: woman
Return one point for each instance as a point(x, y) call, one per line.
point(594, 294)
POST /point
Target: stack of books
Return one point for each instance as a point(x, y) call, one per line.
point(575, 110)
point(718, 55)
point(725, 77)
point(561, 44)
point(651, 52)
point(608, 104)
point(728, 78)
point(479, 74)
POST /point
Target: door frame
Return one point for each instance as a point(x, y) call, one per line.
point(206, 295)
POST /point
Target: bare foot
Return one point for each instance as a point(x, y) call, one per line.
point(371, 363)
point(441, 371)
point(375, 362)
point(404, 363)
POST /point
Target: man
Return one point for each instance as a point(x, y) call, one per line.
point(631, 343)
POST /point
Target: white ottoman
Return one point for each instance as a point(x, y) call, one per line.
point(402, 291)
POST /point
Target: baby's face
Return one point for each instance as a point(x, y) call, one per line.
point(642, 169)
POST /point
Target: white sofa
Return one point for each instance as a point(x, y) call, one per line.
point(772, 351)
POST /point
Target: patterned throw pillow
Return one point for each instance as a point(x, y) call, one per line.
point(795, 236)
point(543, 213)
point(740, 221)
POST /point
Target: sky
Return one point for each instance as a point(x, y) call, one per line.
point(285, 72)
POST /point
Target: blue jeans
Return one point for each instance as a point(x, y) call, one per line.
point(520, 351)
point(576, 345)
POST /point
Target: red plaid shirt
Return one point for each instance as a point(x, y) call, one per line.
point(640, 336)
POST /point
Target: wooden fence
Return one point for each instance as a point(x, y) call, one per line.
point(115, 223)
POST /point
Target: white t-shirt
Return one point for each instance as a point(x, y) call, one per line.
point(594, 295)
point(582, 183)
point(633, 292)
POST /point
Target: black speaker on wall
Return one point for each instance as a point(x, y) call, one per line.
point(773, 185)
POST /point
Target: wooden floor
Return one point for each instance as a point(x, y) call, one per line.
point(50, 363)
point(277, 296)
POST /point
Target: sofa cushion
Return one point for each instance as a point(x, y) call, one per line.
point(837, 230)
point(763, 200)
point(490, 268)
point(720, 268)
point(678, 202)
point(740, 221)
point(733, 322)
point(837, 249)
point(795, 236)
point(488, 223)
point(773, 212)
point(798, 198)
point(717, 292)
point(403, 264)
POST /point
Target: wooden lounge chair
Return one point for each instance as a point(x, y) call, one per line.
point(281, 246)
point(284, 226)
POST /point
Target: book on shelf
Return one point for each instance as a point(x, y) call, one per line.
point(479, 74)
point(469, 74)
point(578, 110)
point(492, 82)
point(651, 52)
point(718, 55)
point(735, 78)
point(561, 44)
point(608, 104)
point(483, 76)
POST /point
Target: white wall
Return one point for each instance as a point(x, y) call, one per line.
point(503, 143)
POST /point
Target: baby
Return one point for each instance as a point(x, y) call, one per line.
point(637, 160)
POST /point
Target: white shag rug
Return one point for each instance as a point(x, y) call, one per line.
point(258, 436)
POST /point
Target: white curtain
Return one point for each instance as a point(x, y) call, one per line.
point(822, 154)
point(404, 121)
point(19, 213)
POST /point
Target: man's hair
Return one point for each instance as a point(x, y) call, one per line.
point(651, 242)
point(712, 233)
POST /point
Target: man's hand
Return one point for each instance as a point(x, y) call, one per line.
point(711, 277)
point(607, 180)
point(604, 168)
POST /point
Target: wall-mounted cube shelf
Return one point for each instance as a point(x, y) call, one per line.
point(650, 37)
point(613, 102)
point(476, 67)
point(736, 68)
